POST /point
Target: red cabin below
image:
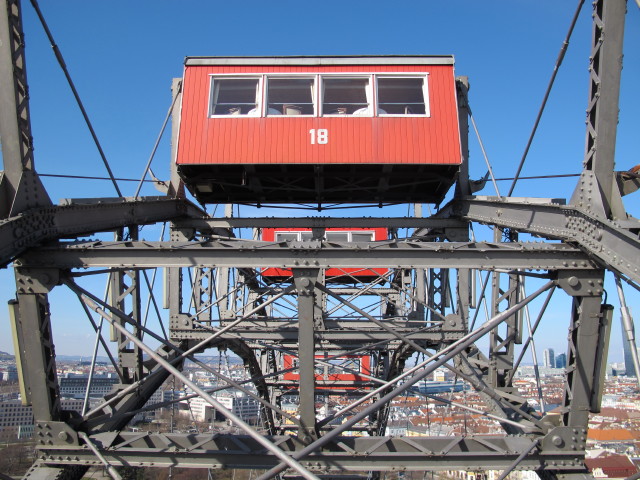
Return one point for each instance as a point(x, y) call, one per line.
point(319, 129)
point(344, 275)
point(334, 372)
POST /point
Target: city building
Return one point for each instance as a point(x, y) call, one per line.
point(75, 386)
point(16, 419)
point(561, 360)
point(247, 408)
point(10, 374)
point(549, 358)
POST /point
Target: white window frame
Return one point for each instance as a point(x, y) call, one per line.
point(425, 93)
point(233, 76)
point(349, 232)
point(368, 93)
point(291, 76)
point(371, 92)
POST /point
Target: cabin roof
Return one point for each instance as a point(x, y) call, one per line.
point(324, 60)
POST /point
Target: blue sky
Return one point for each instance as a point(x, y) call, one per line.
point(122, 56)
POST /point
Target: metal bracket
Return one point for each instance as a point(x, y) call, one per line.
point(562, 439)
point(181, 321)
point(55, 433)
point(40, 280)
point(580, 283)
point(453, 322)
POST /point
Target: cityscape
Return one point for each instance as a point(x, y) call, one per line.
point(440, 405)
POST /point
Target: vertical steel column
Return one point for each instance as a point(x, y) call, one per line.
point(463, 186)
point(223, 286)
point(33, 342)
point(20, 187)
point(176, 187)
point(203, 292)
point(438, 290)
point(589, 327)
point(587, 351)
point(305, 280)
point(502, 344)
point(126, 285)
point(173, 297)
point(598, 189)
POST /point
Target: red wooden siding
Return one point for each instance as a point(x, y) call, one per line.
point(286, 139)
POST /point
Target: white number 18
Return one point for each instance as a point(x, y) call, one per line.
point(320, 136)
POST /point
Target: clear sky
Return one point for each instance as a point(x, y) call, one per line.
point(122, 56)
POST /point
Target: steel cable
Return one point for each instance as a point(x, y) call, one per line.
point(60, 59)
point(563, 50)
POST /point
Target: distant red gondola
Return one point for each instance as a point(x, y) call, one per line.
point(347, 275)
point(337, 370)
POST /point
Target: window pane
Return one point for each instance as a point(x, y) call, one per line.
point(401, 96)
point(286, 237)
point(338, 366)
point(290, 96)
point(362, 236)
point(234, 96)
point(337, 236)
point(345, 96)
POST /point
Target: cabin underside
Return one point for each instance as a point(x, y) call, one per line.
point(319, 184)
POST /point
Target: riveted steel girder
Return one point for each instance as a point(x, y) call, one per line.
point(256, 254)
point(614, 245)
point(31, 228)
point(341, 454)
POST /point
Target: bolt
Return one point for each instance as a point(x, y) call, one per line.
point(573, 281)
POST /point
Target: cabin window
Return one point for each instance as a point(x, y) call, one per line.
point(337, 236)
point(286, 236)
point(235, 96)
point(346, 96)
point(338, 366)
point(396, 95)
point(290, 96)
point(362, 236)
point(342, 365)
point(402, 96)
point(331, 236)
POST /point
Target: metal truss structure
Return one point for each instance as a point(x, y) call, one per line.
point(416, 316)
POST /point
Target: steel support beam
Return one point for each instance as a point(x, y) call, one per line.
point(305, 280)
point(20, 188)
point(33, 338)
point(613, 244)
point(205, 224)
point(84, 217)
point(125, 295)
point(254, 254)
point(597, 190)
point(341, 454)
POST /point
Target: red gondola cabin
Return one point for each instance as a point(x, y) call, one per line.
point(342, 235)
point(336, 371)
point(319, 129)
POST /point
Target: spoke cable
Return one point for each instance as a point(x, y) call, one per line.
point(563, 50)
point(63, 65)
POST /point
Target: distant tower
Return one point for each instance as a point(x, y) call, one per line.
point(629, 367)
point(549, 358)
point(561, 360)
